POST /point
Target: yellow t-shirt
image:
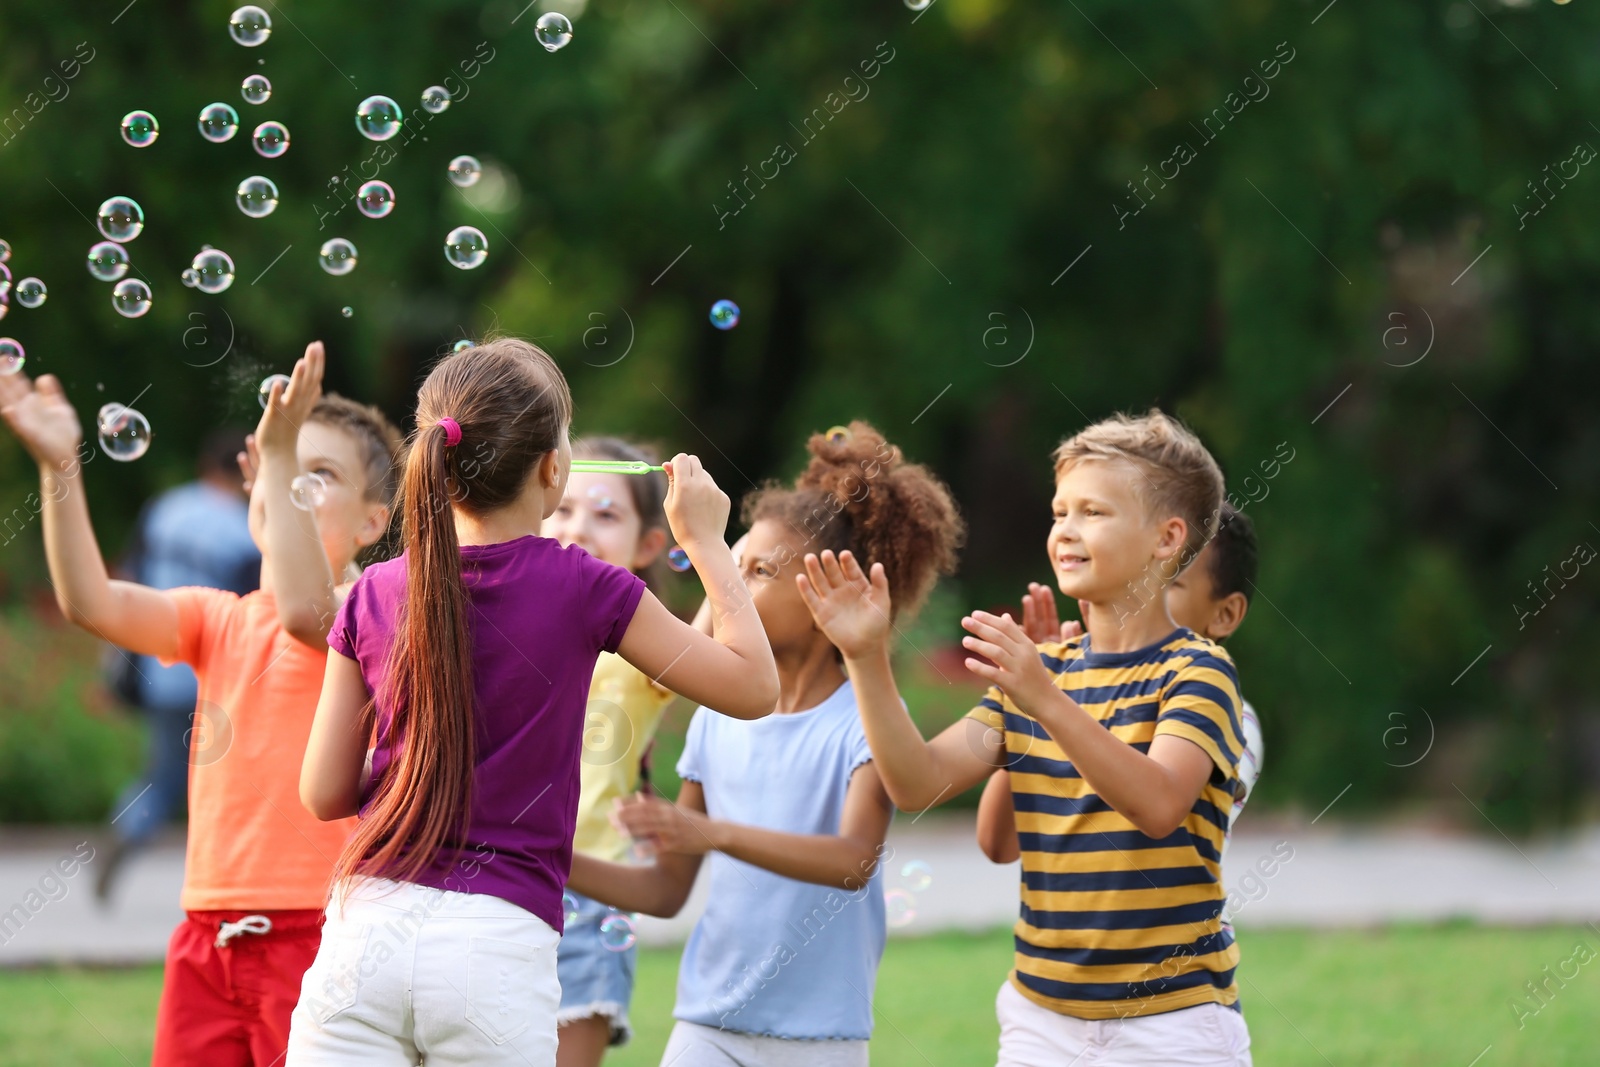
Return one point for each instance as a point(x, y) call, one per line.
point(624, 709)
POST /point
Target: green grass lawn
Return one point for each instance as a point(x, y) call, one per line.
point(1396, 998)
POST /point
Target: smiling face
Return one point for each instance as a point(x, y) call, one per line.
point(347, 519)
point(597, 513)
point(1102, 537)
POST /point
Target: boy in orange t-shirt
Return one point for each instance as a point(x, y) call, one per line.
point(258, 863)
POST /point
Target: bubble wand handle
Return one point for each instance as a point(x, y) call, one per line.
point(612, 466)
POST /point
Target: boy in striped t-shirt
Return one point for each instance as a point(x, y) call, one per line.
point(1123, 749)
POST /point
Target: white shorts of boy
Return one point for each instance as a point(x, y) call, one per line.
point(407, 974)
point(694, 1045)
point(1206, 1035)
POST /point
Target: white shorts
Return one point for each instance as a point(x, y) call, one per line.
point(407, 974)
point(693, 1045)
point(1206, 1035)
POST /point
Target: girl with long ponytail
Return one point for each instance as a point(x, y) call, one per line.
point(465, 664)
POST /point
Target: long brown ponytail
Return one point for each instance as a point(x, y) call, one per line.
point(512, 405)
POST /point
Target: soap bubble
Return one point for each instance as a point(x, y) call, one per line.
point(465, 171)
point(435, 98)
point(338, 256)
point(213, 270)
point(190, 277)
point(108, 261)
point(256, 89)
point(918, 876)
point(271, 139)
point(466, 247)
point(678, 559)
point(308, 491)
point(140, 129)
point(218, 122)
point(461, 345)
point(121, 219)
point(724, 314)
point(347, 311)
point(569, 907)
point(250, 26)
point(131, 298)
point(919, 5)
point(375, 199)
point(12, 357)
point(378, 118)
point(265, 392)
point(599, 497)
point(835, 434)
point(553, 30)
point(124, 433)
point(257, 196)
point(31, 292)
point(5, 251)
point(617, 933)
point(900, 907)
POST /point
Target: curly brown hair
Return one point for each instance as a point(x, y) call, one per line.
point(859, 493)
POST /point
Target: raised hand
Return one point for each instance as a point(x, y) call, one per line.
point(696, 509)
point(1041, 622)
point(1014, 663)
point(850, 608)
point(288, 408)
point(42, 418)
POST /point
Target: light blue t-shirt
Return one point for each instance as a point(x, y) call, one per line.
point(771, 955)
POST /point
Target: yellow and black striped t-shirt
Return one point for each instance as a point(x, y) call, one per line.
point(1115, 923)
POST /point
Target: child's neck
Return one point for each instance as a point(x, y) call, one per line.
point(503, 524)
point(807, 676)
point(1115, 626)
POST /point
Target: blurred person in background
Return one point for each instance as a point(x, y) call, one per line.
point(193, 534)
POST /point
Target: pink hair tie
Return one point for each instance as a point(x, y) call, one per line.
point(452, 431)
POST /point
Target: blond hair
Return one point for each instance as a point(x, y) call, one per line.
point(1175, 475)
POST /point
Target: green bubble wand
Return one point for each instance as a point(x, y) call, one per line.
point(612, 466)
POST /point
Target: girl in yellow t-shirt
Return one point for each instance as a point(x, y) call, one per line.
point(619, 519)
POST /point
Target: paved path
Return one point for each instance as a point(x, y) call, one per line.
point(1309, 876)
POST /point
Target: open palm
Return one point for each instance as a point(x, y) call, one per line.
point(42, 417)
point(850, 608)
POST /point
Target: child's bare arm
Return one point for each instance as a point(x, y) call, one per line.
point(136, 617)
point(997, 820)
point(300, 580)
point(336, 752)
point(659, 888)
point(844, 860)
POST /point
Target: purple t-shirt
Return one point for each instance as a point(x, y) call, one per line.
point(539, 615)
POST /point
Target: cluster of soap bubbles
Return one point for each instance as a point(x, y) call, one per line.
point(618, 930)
point(900, 905)
point(30, 292)
point(124, 433)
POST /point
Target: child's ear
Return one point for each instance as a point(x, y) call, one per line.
point(650, 547)
point(1227, 614)
point(1173, 537)
point(375, 526)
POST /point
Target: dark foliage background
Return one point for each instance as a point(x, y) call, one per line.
point(946, 254)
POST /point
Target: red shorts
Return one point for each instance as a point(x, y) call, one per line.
point(230, 1006)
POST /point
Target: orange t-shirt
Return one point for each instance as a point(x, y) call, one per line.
point(252, 844)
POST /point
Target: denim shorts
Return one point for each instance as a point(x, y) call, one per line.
point(595, 980)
